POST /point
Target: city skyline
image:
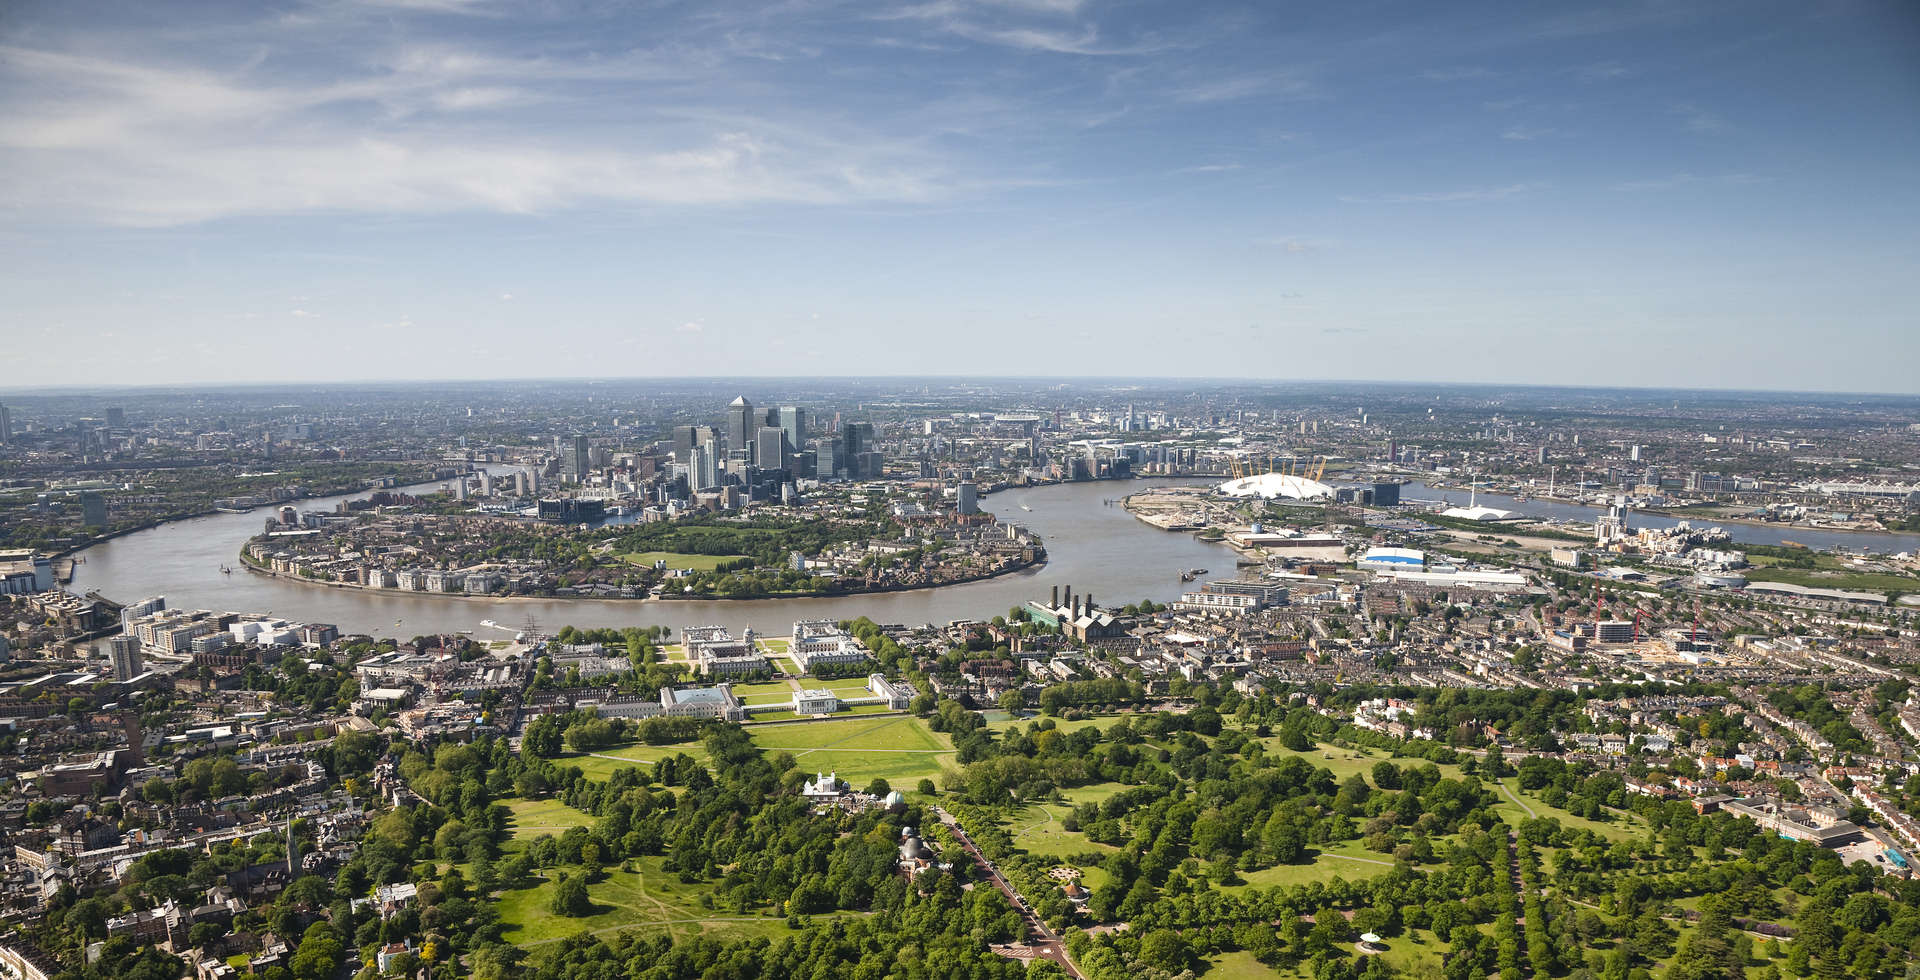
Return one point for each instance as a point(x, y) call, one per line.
point(1693, 195)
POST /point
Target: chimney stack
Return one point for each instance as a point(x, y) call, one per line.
point(1056, 597)
point(1089, 603)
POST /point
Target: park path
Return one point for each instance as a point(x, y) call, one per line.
point(1050, 946)
point(1511, 795)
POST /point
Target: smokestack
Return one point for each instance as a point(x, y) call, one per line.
point(1089, 603)
point(1056, 597)
point(1069, 595)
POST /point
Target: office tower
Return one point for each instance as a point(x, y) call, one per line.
point(1636, 454)
point(705, 474)
point(857, 437)
point(6, 426)
point(740, 425)
point(116, 418)
point(93, 508)
point(967, 498)
point(683, 444)
point(794, 420)
point(771, 452)
point(123, 652)
point(830, 458)
point(579, 463)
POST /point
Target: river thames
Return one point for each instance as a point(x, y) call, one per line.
point(1091, 546)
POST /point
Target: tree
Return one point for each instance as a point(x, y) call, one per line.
point(570, 897)
point(1013, 699)
point(543, 737)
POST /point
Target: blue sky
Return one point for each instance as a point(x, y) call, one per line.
point(1676, 193)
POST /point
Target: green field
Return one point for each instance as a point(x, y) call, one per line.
point(1624, 826)
point(900, 749)
point(1348, 860)
point(646, 897)
point(1000, 721)
point(1036, 828)
point(676, 560)
point(1849, 580)
point(532, 818)
point(765, 692)
point(602, 765)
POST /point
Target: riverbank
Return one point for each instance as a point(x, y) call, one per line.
point(1100, 549)
point(1691, 514)
point(1018, 567)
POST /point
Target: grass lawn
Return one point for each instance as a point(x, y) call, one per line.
point(1814, 578)
point(1624, 826)
point(602, 765)
point(1403, 952)
point(776, 645)
point(1236, 966)
point(1345, 860)
point(898, 748)
point(531, 818)
point(674, 559)
point(646, 897)
point(1000, 721)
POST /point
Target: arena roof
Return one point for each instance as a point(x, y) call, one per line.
point(1276, 486)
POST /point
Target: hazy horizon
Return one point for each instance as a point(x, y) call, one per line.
point(1696, 195)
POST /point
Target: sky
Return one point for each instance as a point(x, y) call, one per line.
point(1692, 194)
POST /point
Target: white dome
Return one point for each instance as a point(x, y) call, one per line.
point(1276, 486)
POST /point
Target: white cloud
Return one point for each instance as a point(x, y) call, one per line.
point(1698, 120)
point(301, 314)
point(1678, 180)
point(1456, 74)
point(692, 326)
point(506, 297)
point(136, 137)
point(1526, 133)
point(1602, 71)
point(1448, 197)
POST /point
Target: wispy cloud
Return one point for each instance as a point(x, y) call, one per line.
point(691, 326)
point(139, 138)
point(1525, 134)
point(1601, 71)
point(1449, 197)
point(1674, 181)
point(1042, 31)
point(1697, 119)
point(1457, 74)
point(1296, 246)
point(1265, 84)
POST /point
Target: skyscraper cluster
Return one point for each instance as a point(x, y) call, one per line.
point(767, 448)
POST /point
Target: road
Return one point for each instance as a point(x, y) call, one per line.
point(1050, 945)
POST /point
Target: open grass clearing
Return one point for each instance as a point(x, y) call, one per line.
point(645, 897)
point(532, 818)
point(679, 560)
point(602, 765)
point(898, 748)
